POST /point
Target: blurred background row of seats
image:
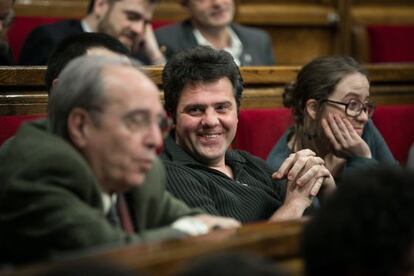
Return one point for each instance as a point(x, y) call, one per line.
point(370, 30)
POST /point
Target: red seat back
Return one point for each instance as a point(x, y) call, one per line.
point(260, 129)
point(10, 124)
point(391, 43)
point(396, 124)
point(21, 28)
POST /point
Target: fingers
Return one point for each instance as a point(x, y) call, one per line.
point(293, 164)
point(350, 128)
point(330, 135)
point(312, 173)
point(314, 178)
point(316, 187)
point(339, 129)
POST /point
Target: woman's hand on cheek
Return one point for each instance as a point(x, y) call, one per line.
point(345, 140)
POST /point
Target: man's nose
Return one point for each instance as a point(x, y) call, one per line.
point(154, 138)
point(138, 27)
point(210, 118)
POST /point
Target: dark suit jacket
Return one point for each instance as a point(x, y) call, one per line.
point(6, 56)
point(51, 202)
point(42, 41)
point(257, 46)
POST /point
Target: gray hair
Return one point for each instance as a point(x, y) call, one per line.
point(80, 85)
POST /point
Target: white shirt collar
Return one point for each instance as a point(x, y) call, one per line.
point(235, 49)
point(85, 26)
point(108, 201)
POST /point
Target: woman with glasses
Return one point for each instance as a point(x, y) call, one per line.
point(332, 112)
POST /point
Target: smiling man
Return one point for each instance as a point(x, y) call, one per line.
point(203, 89)
point(92, 178)
point(127, 20)
point(211, 23)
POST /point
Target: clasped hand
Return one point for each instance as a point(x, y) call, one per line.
point(306, 174)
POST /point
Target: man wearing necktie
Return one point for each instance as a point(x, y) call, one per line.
point(58, 185)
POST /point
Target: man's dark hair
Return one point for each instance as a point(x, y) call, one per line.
point(365, 228)
point(75, 46)
point(198, 65)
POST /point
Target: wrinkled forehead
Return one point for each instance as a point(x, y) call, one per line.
point(129, 87)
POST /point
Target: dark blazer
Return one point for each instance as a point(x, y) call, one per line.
point(6, 57)
point(51, 202)
point(42, 41)
point(257, 46)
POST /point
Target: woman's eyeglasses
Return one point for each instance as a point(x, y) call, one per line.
point(353, 108)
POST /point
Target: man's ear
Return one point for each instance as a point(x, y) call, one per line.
point(312, 107)
point(55, 82)
point(100, 8)
point(79, 122)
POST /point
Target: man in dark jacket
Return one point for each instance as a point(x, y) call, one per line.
point(211, 23)
point(127, 20)
point(91, 179)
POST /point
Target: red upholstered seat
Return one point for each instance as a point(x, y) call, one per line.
point(260, 129)
point(10, 124)
point(21, 28)
point(391, 43)
point(396, 124)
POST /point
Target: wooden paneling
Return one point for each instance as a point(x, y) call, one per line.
point(22, 90)
point(278, 241)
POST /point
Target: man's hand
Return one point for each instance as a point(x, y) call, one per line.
point(345, 141)
point(202, 224)
point(306, 175)
point(216, 222)
point(150, 47)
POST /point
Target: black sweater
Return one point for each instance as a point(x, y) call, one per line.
point(251, 196)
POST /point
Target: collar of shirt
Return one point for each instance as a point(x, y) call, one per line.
point(235, 49)
point(86, 28)
point(108, 201)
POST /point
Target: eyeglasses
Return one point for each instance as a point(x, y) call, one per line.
point(141, 120)
point(354, 108)
point(7, 18)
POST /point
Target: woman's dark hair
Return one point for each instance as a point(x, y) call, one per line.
point(316, 80)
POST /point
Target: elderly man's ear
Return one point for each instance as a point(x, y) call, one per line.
point(79, 123)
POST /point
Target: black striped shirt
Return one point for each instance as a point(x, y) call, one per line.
point(251, 196)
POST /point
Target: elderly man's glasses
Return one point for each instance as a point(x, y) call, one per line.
point(7, 18)
point(142, 120)
point(353, 108)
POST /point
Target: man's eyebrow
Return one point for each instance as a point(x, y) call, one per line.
point(135, 15)
point(135, 112)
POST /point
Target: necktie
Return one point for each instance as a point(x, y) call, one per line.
point(124, 216)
